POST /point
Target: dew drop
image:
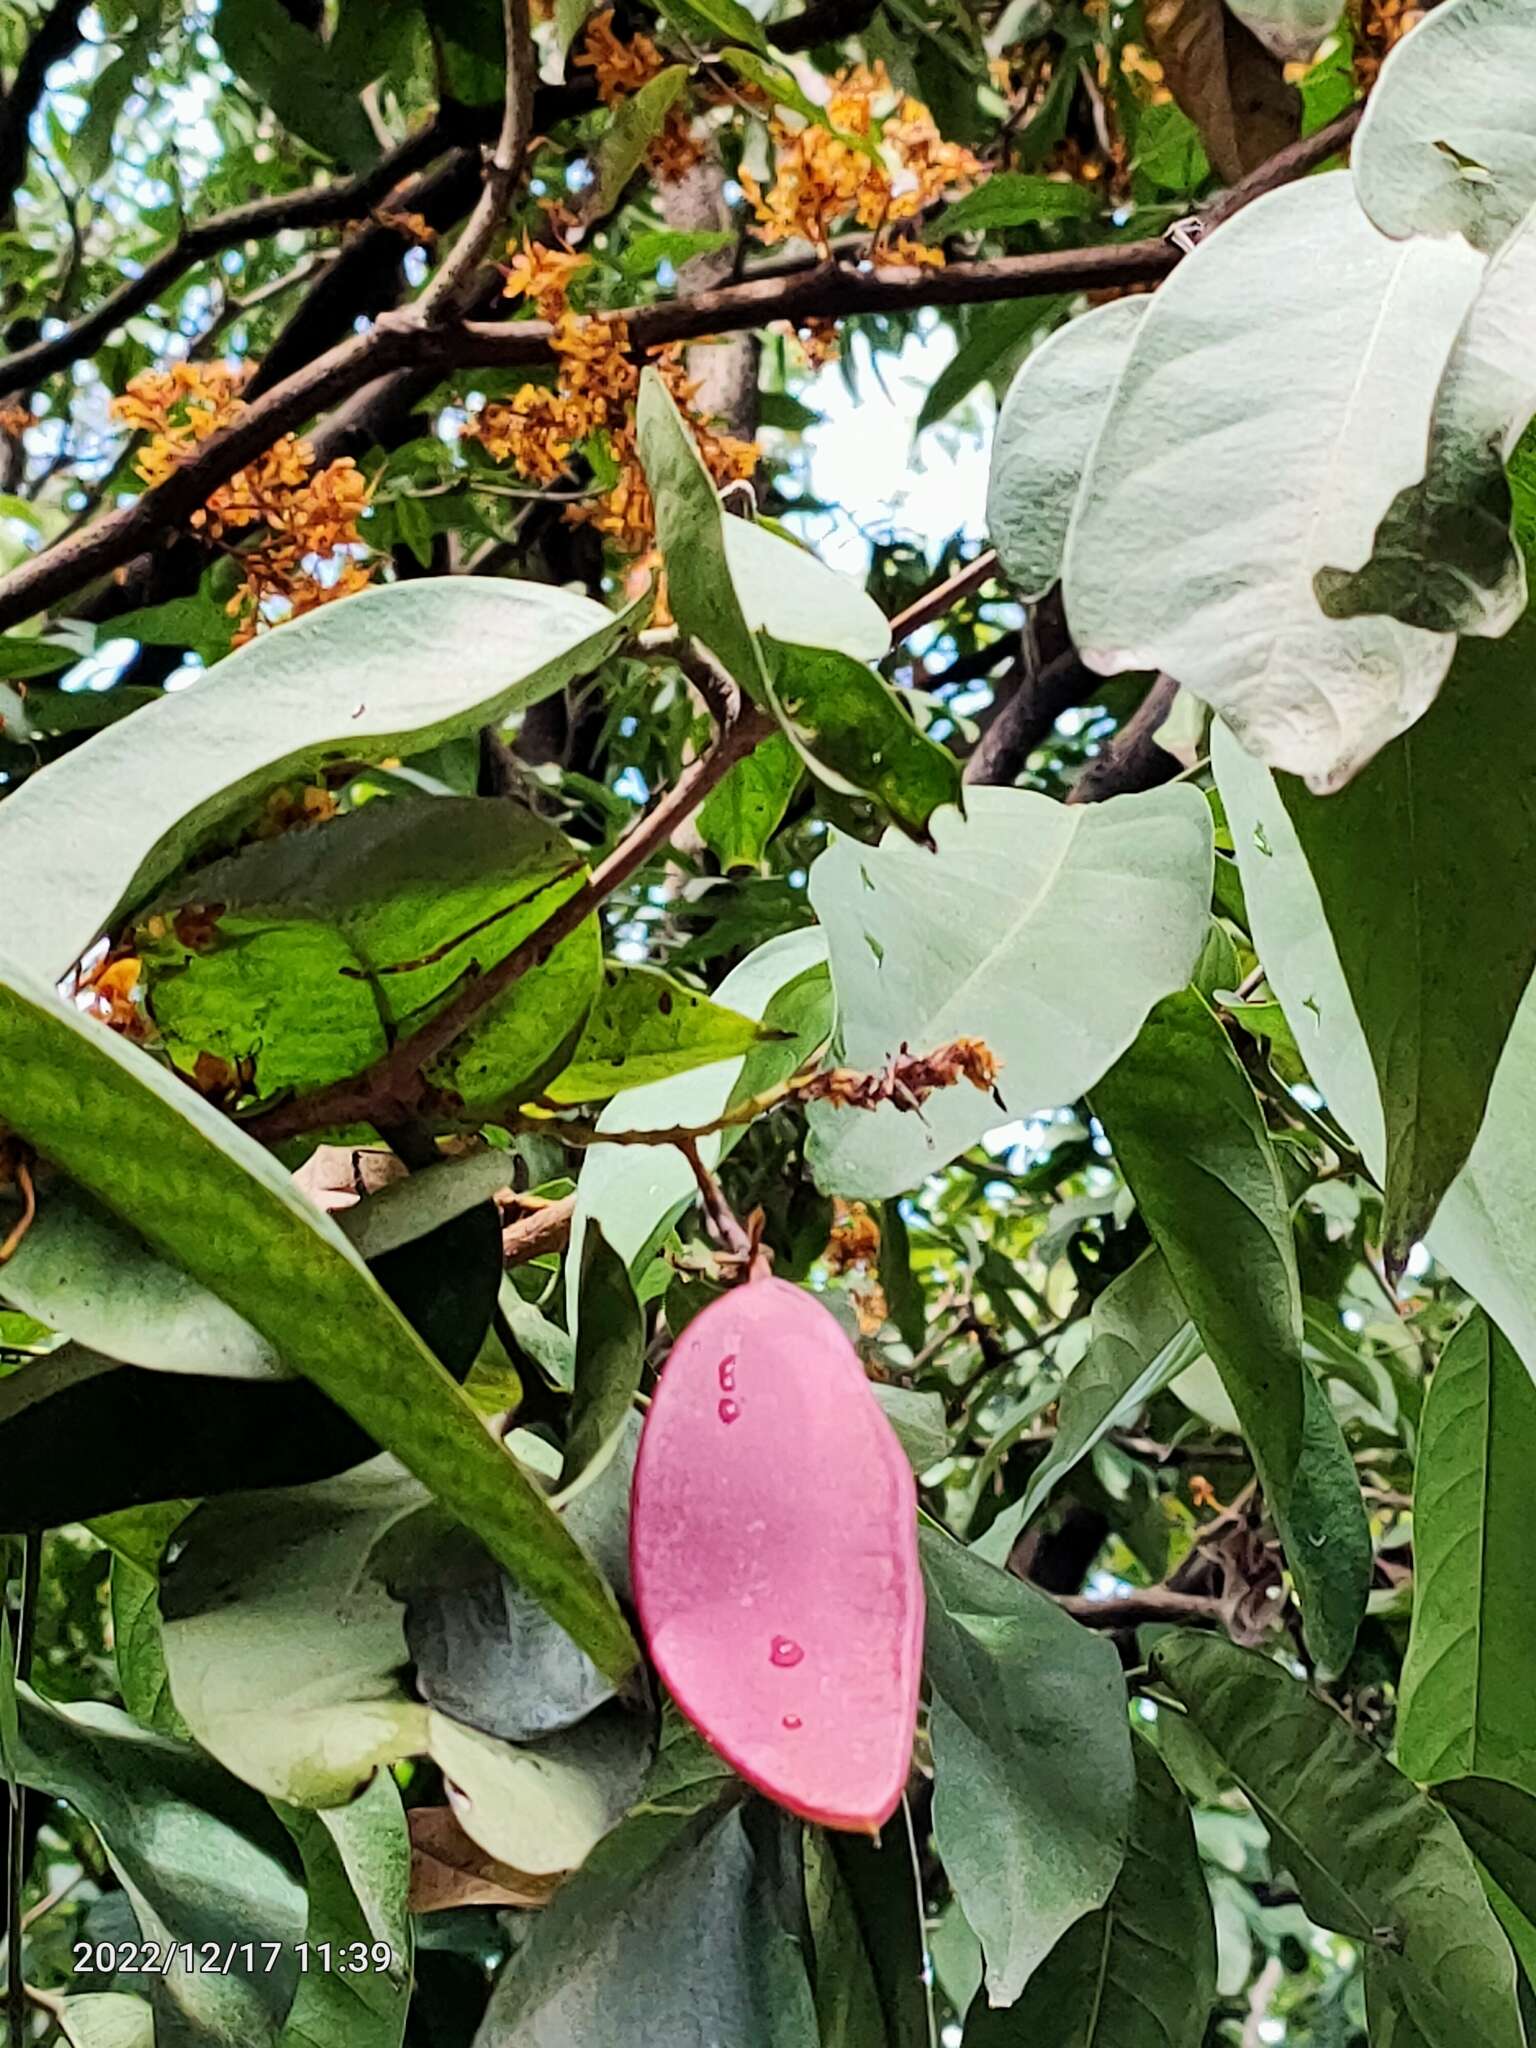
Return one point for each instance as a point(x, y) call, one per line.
point(785, 1652)
point(728, 1374)
point(791, 1721)
point(730, 1411)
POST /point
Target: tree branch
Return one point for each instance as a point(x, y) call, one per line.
point(446, 295)
point(54, 37)
point(817, 290)
point(1132, 760)
point(395, 1085)
point(317, 206)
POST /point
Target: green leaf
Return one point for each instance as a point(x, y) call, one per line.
point(1470, 1236)
point(1232, 378)
point(230, 1881)
point(636, 1192)
point(309, 954)
point(21, 656)
point(92, 150)
point(395, 670)
point(715, 23)
point(108, 2019)
point(1444, 557)
point(995, 338)
point(1416, 863)
point(644, 1027)
point(868, 1941)
point(283, 1647)
point(731, 579)
point(1191, 1140)
point(610, 1356)
point(209, 1198)
point(570, 20)
point(741, 814)
point(1031, 1759)
point(670, 1933)
point(1445, 147)
point(782, 87)
point(1498, 1824)
point(1141, 1971)
point(138, 1650)
point(1029, 911)
point(292, 72)
point(1371, 1855)
point(645, 254)
point(1110, 1385)
point(543, 1810)
point(849, 728)
point(634, 126)
point(1464, 1698)
point(357, 1868)
point(93, 1278)
point(1045, 433)
point(1011, 199)
point(200, 623)
point(1231, 87)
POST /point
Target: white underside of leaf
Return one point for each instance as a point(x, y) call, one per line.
point(786, 592)
point(1047, 930)
point(1261, 429)
point(1448, 142)
point(1047, 425)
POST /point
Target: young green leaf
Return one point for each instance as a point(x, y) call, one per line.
point(1191, 1140)
point(293, 73)
point(741, 814)
point(610, 1357)
point(635, 124)
point(1011, 199)
point(849, 728)
point(1371, 1855)
point(208, 1198)
point(996, 338)
point(1032, 1768)
point(644, 1026)
point(357, 1869)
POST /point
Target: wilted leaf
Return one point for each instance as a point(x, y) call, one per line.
point(449, 1870)
point(1228, 83)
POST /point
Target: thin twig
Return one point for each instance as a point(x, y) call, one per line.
point(444, 298)
point(395, 1085)
point(945, 596)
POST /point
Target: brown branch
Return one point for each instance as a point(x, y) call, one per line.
point(54, 37)
point(446, 296)
point(317, 206)
point(816, 291)
point(1025, 721)
point(945, 596)
point(395, 1085)
point(1133, 759)
point(538, 1232)
point(1137, 1610)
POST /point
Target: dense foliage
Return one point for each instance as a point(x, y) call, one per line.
point(738, 1304)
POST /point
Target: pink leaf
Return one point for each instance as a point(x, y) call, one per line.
point(773, 1543)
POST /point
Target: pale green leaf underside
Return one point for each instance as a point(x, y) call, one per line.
point(1030, 912)
point(1267, 444)
point(1045, 433)
point(1448, 142)
point(403, 664)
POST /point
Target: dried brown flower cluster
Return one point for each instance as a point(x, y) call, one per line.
point(1378, 26)
point(823, 180)
point(909, 1079)
point(307, 518)
point(541, 427)
point(854, 1248)
point(620, 69)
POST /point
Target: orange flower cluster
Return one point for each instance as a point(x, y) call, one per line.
point(1378, 25)
point(540, 428)
point(307, 517)
point(854, 1248)
point(821, 180)
point(620, 69)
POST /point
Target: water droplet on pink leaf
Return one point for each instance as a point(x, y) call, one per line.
point(730, 1411)
point(727, 1375)
point(808, 1503)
